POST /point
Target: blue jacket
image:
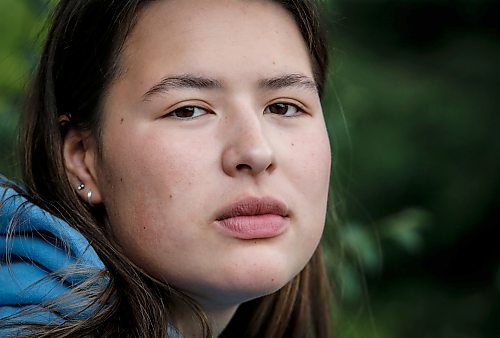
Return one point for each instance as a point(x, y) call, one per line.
point(33, 258)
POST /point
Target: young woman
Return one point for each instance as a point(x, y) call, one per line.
point(176, 164)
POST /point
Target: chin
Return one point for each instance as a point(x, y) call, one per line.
point(242, 285)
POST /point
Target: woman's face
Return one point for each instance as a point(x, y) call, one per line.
point(215, 161)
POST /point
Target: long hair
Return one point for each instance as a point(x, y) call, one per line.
point(80, 59)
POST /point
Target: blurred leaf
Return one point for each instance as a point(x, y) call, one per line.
point(405, 228)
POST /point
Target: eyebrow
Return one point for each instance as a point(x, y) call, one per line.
point(197, 82)
point(289, 80)
point(180, 82)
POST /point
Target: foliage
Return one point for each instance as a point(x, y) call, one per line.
point(413, 118)
point(21, 22)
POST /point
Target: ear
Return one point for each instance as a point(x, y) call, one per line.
point(80, 154)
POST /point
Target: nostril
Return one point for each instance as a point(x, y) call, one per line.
point(242, 166)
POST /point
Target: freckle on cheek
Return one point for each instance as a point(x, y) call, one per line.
point(121, 121)
point(170, 196)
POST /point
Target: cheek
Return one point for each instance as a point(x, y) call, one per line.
point(310, 162)
point(142, 178)
point(149, 160)
point(308, 170)
point(312, 179)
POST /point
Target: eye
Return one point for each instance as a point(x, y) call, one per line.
point(284, 109)
point(187, 112)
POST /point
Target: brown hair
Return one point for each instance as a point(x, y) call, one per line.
point(78, 62)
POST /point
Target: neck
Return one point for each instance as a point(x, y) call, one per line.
point(189, 326)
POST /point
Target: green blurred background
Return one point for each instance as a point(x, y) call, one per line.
point(412, 110)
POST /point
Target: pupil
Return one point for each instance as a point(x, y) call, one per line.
point(185, 112)
point(279, 109)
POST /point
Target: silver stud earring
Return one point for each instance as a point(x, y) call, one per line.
point(80, 187)
point(89, 197)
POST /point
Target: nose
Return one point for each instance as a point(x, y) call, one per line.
point(248, 150)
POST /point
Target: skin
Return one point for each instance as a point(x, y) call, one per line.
point(163, 178)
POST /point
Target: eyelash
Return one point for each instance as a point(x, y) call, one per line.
point(189, 108)
point(267, 110)
point(298, 110)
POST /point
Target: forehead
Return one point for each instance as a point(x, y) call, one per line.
point(193, 36)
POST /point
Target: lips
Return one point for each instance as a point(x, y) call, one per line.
point(253, 218)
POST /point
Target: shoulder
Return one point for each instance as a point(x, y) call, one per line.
point(39, 254)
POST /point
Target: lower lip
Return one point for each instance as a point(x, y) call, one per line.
point(253, 227)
